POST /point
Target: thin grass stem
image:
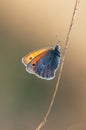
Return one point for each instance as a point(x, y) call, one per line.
point(43, 122)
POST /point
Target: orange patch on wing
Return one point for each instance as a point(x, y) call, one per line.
point(29, 57)
point(35, 60)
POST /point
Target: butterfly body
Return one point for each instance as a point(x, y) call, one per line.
point(45, 63)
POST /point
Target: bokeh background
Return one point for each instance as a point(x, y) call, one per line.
point(27, 25)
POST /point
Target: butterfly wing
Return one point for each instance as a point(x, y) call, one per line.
point(32, 65)
point(30, 56)
point(43, 62)
point(30, 60)
point(44, 65)
point(47, 66)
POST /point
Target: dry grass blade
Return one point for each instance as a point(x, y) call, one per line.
point(60, 70)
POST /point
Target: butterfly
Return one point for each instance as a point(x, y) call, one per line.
point(43, 62)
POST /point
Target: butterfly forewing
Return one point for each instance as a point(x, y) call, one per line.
point(30, 56)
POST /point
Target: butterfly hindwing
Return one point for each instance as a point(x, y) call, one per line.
point(47, 65)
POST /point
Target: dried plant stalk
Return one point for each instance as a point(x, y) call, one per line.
point(60, 70)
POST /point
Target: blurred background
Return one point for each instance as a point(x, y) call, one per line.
point(27, 25)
